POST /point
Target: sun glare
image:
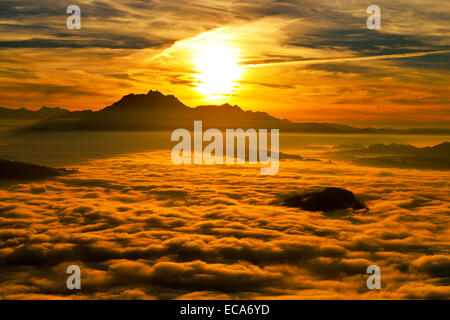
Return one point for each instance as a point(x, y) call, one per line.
point(217, 64)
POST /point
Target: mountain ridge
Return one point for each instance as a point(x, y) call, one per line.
point(155, 111)
point(24, 113)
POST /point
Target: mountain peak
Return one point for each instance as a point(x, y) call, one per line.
point(223, 107)
point(153, 100)
point(229, 106)
point(155, 93)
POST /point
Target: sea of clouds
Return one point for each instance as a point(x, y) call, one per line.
point(142, 228)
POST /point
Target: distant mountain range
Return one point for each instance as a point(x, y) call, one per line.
point(155, 111)
point(399, 156)
point(23, 113)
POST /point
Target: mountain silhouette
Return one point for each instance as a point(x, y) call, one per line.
point(155, 111)
point(399, 156)
point(24, 113)
point(15, 170)
point(329, 199)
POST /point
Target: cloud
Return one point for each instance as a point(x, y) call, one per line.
point(112, 42)
point(436, 265)
point(220, 235)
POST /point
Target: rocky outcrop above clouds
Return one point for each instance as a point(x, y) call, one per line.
point(15, 170)
point(326, 200)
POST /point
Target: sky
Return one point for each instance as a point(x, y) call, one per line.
point(301, 60)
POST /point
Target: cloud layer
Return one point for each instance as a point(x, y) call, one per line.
point(142, 228)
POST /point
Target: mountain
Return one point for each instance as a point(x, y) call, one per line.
point(26, 114)
point(15, 170)
point(329, 199)
point(155, 111)
point(398, 149)
point(399, 156)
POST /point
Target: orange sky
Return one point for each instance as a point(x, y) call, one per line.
point(302, 60)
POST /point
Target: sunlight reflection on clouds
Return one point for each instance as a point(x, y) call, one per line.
point(140, 227)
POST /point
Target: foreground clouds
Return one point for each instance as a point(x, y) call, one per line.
point(142, 228)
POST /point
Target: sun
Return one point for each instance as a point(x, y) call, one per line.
point(217, 65)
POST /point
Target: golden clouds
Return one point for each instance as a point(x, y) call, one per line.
point(141, 228)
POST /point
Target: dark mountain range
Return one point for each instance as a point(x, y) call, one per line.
point(15, 170)
point(400, 149)
point(399, 156)
point(155, 111)
point(26, 114)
